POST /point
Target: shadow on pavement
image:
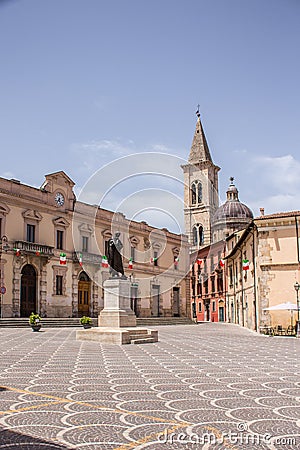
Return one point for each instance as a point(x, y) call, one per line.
point(12, 440)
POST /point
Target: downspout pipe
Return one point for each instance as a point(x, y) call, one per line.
point(297, 236)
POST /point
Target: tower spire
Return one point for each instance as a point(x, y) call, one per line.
point(199, 149)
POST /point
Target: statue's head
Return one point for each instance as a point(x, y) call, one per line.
point(117, 234)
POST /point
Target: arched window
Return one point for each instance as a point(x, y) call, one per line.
point(201, 235)
point(198, 234)
point(196, 192)
point(195, 235)
point(199, 192)
point(83, 277)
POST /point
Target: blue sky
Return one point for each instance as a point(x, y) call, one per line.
point(86, 81)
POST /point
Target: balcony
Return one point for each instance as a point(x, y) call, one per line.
point(33, 248)
point(88, 258)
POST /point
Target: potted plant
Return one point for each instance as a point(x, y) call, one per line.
point(86, 322)
point(35, 321)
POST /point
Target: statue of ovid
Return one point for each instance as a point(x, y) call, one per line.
point(114, 257)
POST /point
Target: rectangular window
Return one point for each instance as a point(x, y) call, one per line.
point(1, 227)
point(155, 258)
point(132, 253)
point(30, 237)
point(220, 283)
point(230, 276)
point(59, 239)
point(213, 287)
point(200, 307)
point(214, 306)
point(205, 284)
point(205, 265)
point(106, 245)
point(59, 285)
point(199, 289)
point(85, 244)
point(212, 267)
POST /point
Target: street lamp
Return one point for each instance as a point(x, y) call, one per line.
point(3, 246)
point(297, 287)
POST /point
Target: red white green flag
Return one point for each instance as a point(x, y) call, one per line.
point(246, 264)
point(17, 251)
point(63, 258)
point(130, 264)
point(176, 261)
point(222, 262)
point(80, 259)
point(152, 260)
point(104, 262)
point(199, 261)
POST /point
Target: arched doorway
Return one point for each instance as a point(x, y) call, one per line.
point(28, 291)
point(84, 294)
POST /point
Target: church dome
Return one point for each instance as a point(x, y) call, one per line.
point(232, 209)
point(232, 215)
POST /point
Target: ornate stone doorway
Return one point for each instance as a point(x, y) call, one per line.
point(28, 299)
point(84, 295)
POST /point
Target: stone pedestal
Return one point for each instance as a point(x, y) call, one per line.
point(117, 312)
point(117, 321)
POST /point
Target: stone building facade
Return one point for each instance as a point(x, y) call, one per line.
point(271, 245)
point(52, 249)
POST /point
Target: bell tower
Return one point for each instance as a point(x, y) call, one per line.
point(201, 190)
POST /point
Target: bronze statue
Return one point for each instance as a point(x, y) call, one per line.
point(114, 257)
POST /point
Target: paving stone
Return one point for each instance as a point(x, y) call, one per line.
point(58, 393)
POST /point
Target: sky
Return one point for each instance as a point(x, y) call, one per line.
point(86, 82)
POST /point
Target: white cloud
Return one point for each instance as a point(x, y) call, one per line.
point(277, 203)
point(282, 172)
point(93, 154)
point(275, 182)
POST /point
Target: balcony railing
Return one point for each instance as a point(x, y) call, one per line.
point(87, 258)
point(32, 247)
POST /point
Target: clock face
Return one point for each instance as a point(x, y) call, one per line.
point(59, 199)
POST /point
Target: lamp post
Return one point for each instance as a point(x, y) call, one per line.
point(297, 287)
point(3, 246)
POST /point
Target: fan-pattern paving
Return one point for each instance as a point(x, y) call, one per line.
point(211, 386)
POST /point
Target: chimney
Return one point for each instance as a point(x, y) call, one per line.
point(262, 211)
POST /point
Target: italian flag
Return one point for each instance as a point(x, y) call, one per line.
point(199, 261)
point(62, 258)
point(104, 262)
point(80, 259)
point(130, 265)
point(222, 262)
point(245, 264)
point(17, 251)
point(176, 261)
point(152, 260)
point(38, 253)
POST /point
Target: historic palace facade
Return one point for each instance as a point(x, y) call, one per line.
point(51, 259)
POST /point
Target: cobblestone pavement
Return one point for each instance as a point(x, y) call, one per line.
point(210, 386)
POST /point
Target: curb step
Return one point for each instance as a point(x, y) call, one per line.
point(53, 322)
point(146, 340)
point(157, 321)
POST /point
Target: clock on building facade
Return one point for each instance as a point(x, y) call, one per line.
point(59, 199)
